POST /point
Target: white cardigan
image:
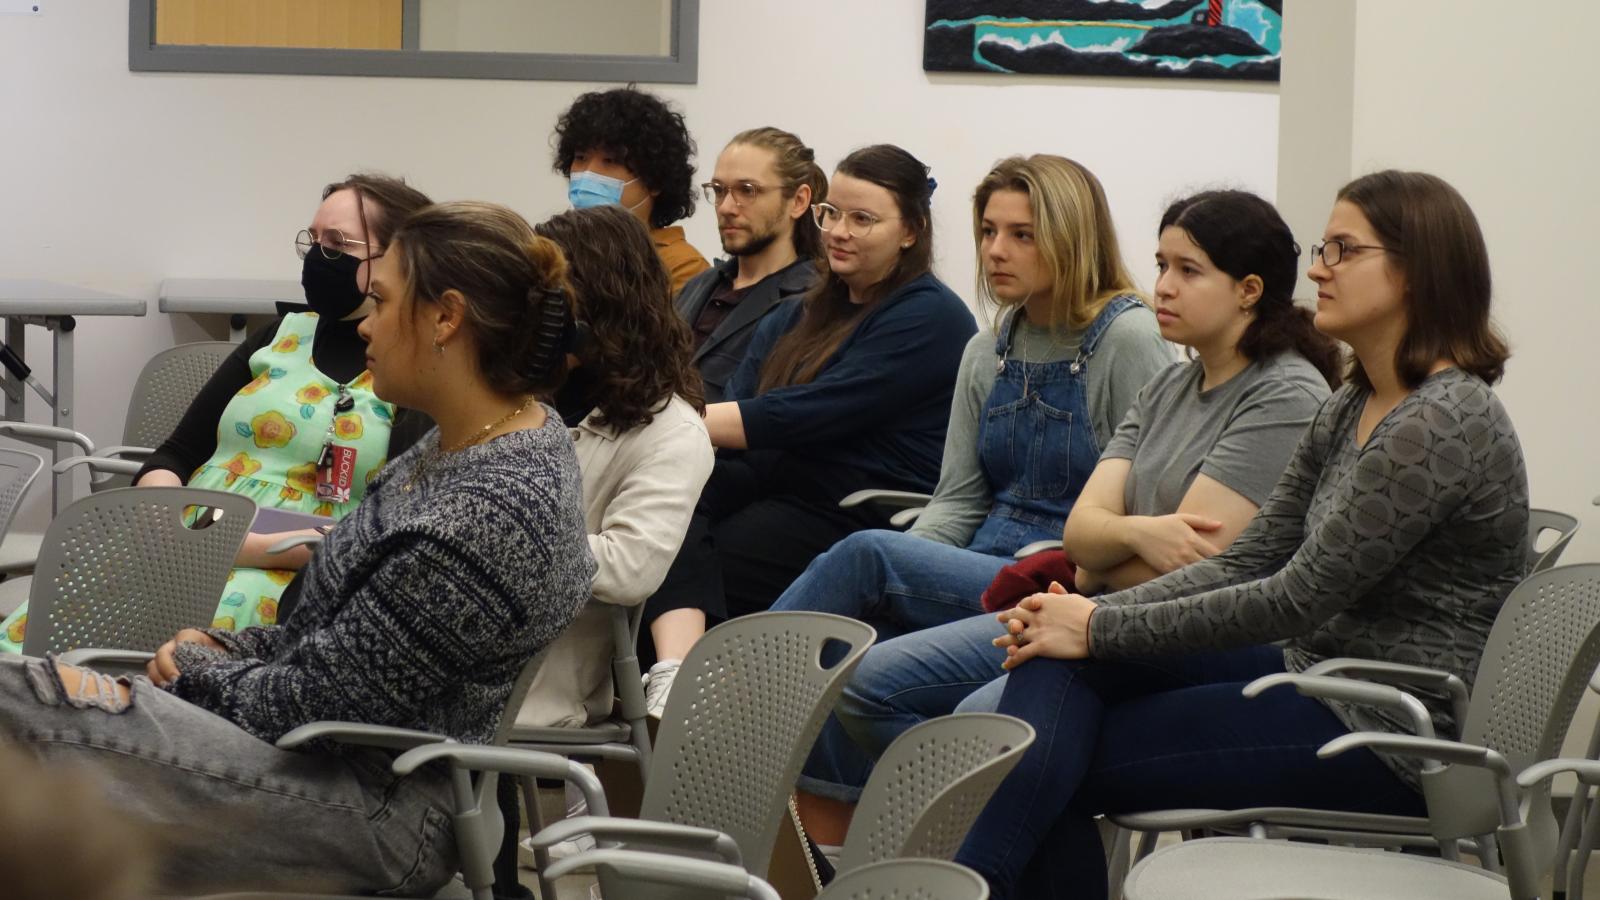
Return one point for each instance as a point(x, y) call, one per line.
point(639, 491)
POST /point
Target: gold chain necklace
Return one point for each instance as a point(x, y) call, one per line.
point(439, 452)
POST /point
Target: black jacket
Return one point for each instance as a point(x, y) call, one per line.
point(722, 352)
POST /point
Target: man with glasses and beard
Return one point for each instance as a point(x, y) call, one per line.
point(762, 189)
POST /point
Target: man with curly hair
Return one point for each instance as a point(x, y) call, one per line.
point(628, 148)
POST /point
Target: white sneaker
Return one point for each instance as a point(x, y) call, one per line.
point(657, 684)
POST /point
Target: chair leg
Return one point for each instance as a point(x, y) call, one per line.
point(1118, 866)
point(536, 823)
point(1146, 845)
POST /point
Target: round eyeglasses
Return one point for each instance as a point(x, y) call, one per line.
point(744, 192)
point(331, 242)
point(857, 222)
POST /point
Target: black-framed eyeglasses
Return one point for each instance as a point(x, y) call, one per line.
point(744, 192)
point(1334, 251)
point(858, 222)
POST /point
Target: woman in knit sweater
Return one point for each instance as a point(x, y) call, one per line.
point(1396, 534)
point(466, 558)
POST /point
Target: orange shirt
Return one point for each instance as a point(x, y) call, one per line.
point(682, 260)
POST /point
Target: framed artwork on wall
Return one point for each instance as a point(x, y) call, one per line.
point(1228, 39)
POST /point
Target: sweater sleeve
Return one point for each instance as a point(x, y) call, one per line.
point(195, 439)
point(892, 362)
point(644, 524)
point(343, 672)
point(1409, 479)
point(963, 497)
point(1131, 352)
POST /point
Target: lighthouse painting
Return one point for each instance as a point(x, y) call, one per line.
point(1230, 39)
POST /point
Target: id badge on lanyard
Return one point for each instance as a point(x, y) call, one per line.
point(336, 465)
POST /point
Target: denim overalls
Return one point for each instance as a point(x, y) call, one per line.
point(1036, 442)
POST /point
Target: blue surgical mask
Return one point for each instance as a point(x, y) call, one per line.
point(586, 189)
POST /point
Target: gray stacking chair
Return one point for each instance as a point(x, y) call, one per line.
point(624, 735)
point(475, 771)
point(121, 570)
point(1541, 521)
point(747, 705)
point(929, 786)
point(166, 386)
point(1541, 653)
point(18, 469)
point(896, 879)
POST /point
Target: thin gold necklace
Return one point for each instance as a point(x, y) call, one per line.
point(477, 437)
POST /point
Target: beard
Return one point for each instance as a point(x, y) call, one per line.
point(755, 242)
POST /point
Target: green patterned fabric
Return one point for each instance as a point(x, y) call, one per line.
point(268, 441)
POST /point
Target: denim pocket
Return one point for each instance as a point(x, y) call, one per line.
point(1049, 474)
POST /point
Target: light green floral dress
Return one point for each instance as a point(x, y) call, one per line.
point(268, 441)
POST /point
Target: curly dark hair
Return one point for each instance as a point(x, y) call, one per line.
point(639, 349)
point(649, 135)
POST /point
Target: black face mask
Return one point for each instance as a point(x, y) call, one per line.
point(330, 284)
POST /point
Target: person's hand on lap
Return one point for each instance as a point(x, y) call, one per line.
point(163, 670)
point(1054, 624)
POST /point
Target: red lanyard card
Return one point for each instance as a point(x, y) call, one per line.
point(336, 471)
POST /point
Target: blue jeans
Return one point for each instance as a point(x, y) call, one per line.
point(898, 684)
point(1160, 733)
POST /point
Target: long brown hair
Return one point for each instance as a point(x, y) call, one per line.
point(1244, 235)
point(796, 164)
point(1072, 229)
point(638, 348)
point(519, 302)
point(1430, 230)
point(830, 317)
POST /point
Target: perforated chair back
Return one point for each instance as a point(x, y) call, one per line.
point(745, 708)
point(929, 786)
point(908, 879)
point(120, 569)
point(166, 386)
point(1540, 522)
point(18, 469)
point(1541, 652)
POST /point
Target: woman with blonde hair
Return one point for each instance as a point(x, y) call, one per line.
point(1033, 405)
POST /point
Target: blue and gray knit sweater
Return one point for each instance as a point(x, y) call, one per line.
point(422, 606)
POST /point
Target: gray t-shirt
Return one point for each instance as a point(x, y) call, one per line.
point(1130, 352)
point(1239, 433)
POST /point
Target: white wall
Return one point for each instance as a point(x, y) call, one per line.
point(115, 180)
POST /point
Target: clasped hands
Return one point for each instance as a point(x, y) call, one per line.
point(1053, 624)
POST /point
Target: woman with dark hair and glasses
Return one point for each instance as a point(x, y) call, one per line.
point(1395, 534)
point(289, 418)
point(846, 388)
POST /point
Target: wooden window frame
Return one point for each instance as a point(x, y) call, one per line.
point(679, 67)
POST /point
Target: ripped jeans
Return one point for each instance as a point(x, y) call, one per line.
point(232, 812)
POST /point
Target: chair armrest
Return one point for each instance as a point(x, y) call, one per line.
point(47, 433)
point(358, 734)
point(905, 517)
point(1587, 770)
point(290, 543)
point(527, 763)
point(1400, 673)
point(641, 831)
point(93, 656)
point(122, 450)
point(1036, 547)
point(1350, 691)
point(99, 464)
point(701, 875)
point(891, 499)
point(1439, 751)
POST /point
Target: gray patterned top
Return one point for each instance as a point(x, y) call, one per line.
point(1400, 550)
point(422, 606)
